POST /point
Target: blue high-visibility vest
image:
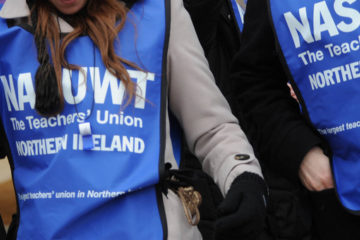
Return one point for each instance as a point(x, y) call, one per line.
point(63, 189)
point(320, 43)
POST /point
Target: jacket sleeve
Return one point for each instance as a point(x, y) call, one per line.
point(211, 131)
point(275, 125)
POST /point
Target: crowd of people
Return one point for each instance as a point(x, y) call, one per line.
point(127, 119)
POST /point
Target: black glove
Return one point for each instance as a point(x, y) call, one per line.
point(242, 213)
point(2, 229)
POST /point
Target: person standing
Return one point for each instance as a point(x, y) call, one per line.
point(86, 89)
point(309, 154)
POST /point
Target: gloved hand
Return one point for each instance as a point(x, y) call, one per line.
point(241, 215)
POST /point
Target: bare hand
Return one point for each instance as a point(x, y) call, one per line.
point(315, 172)
point(292, 93)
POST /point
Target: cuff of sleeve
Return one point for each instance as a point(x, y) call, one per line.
point(294, 151)
point(234, 167)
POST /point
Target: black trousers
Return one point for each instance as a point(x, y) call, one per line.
point(330, 220)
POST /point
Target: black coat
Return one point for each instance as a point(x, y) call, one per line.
point(278, 130)
point(275, 126)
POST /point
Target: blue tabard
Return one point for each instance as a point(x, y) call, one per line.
point(320, 43)
point(239, 13)
point(108, 192)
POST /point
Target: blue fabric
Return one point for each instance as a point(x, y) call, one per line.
point(65, 191)
point(320, 43)
point(239, 14)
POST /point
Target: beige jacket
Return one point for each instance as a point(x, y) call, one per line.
point(212, 132)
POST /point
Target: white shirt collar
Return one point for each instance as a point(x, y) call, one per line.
point(19, 8)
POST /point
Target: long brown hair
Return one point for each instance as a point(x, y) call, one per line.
point(101, 21)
